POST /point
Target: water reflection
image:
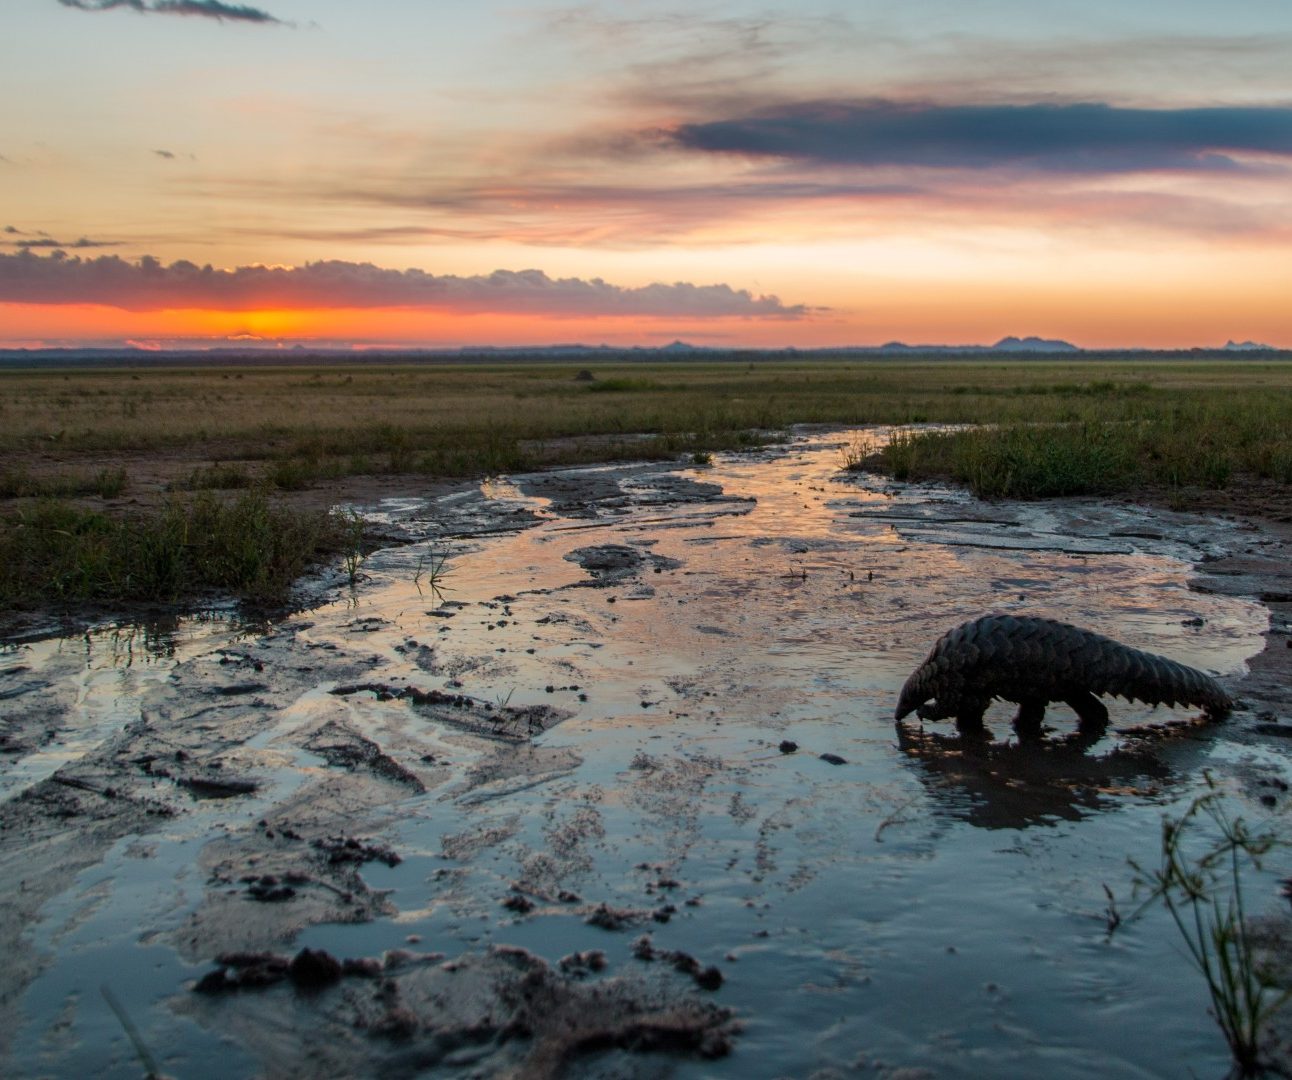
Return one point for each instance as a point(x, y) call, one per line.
point(1029, 782)
point(162, 637)
point(118, 645)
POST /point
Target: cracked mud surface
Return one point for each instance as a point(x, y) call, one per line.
point(623, 796)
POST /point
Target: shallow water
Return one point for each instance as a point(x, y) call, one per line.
point(917, 906)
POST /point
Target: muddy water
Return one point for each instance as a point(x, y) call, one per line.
point(568, 697)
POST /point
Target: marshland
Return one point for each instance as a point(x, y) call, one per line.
point(570, 700)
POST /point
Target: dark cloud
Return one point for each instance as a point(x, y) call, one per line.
point(210, 9)
point(168, 155)
point(1079, 138)
point(44, 240)
point(148, 285)
point(13, 230)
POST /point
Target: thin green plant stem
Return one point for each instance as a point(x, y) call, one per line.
point(1214, 928)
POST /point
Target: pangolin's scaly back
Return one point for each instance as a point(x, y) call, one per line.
point(1021, 657)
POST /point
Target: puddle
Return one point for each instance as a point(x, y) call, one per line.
point(584, 712)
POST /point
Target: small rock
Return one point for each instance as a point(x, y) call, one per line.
point(581, 963)
point(609, 918)
point(518, 903)
point(708, 979)
point(312, 969)
point(834, 759)
point(788, 746)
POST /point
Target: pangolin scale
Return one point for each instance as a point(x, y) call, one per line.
point(1036, 661)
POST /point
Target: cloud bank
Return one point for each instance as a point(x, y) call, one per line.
point(210, 9)
point(149, 285)
point(1077, 138)
point(43, 241)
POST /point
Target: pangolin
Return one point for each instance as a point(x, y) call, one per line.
point(1036, 661)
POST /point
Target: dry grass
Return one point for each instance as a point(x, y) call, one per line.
point(1059, 426)
point(456, 419)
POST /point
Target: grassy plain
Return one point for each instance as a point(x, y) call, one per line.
point(106, 435)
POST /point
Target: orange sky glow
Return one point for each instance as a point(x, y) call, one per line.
point(396, 175)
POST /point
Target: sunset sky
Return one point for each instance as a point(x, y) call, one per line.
point(196, 172)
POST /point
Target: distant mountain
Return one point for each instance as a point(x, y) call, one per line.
point(1033, 344)
point(1007, 344)
point(251, 353)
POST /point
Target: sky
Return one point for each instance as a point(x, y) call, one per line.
point(390, 173)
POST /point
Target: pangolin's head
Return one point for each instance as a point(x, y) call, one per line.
point(914, 693)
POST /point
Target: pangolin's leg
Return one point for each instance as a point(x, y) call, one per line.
point(969, 715)
point(1030, 714)
point(1089, 709)
point(934, 710)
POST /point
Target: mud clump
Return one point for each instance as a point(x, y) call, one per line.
point(613, 564)
point(346, 849)
point(312, 969)
point(506, 1012)
point(342, 746)
point(582, 963)
point(706, 978)
point(518, 903)
point(243, 971)
point(609, 918)
point(201, 787)
point(309, 969)
point(513, 723)
point(293, 881)
point(268, 889)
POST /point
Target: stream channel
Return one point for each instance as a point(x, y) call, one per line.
point(579, 716)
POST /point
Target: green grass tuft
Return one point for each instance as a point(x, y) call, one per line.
point(1033, 461)
point(246, 546)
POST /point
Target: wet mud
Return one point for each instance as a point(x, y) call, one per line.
point(618, 791)
point(502, 1013)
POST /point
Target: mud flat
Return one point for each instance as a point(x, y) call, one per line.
point(623, 795)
